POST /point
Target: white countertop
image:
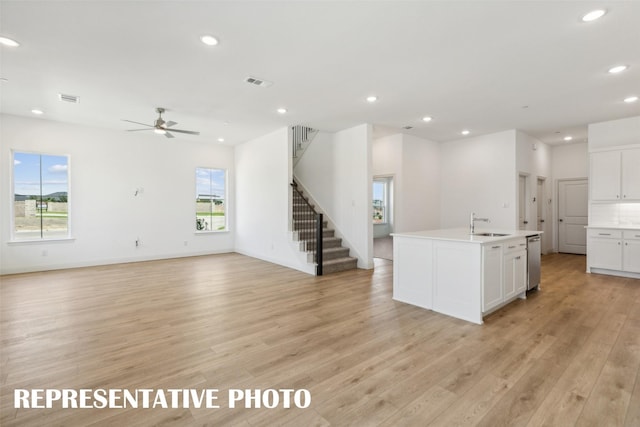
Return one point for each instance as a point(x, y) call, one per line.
point(615, 227)
point(462, 234)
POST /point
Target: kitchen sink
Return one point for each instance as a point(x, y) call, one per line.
point(490, 234)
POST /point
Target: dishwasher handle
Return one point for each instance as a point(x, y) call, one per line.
point(534, 239)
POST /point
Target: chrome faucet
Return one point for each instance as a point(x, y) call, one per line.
point(472, 221)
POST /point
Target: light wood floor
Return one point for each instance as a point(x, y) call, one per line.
point(568, 355)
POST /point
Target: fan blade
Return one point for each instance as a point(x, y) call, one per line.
point(135, 130)
point(168, 135)
point(138, 123)
point(190, 132)
point(170, 123)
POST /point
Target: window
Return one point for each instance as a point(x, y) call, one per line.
point(211, 201)
point(380, 201)
point(40, 196)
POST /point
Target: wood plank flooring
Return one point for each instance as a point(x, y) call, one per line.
point(568, 355)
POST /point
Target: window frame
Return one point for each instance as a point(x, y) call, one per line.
point(12, 206)
point(385, 202)
point(225, 199)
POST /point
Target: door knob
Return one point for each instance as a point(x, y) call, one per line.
point(560, 220)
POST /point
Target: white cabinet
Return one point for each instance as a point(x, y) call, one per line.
point(604, 249)
point(504, 274)
point(492, 292)
point(631, 174)
point(615, 175)
point(515, 270)
point(604, 175)
point(631, 251)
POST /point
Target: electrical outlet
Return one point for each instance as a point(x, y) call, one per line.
point(45, 252)
point(186, 243)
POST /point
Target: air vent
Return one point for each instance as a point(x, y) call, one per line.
point(68, 98)
point(258, 82)
point(407, 127)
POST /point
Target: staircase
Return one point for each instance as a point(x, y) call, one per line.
point(335, 257)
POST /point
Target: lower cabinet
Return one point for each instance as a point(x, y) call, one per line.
point(631, 251)
point(492, 293)
point(604, 249)
point(504, 272)
point(613, 249)
point(515, 273)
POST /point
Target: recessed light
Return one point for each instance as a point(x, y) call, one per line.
point(631, 99)
point(465, 132)
point(593, 15)
point(220, 139)
point(37, 111)
point(281, 110)
point(209, 40)
point(568, 138)
point(8, 42)
point(160, 131)
point(372, 98)
point(427, 119)
point(617, 69)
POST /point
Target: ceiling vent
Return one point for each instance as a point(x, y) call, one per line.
point(257, 82)
point(68, 98)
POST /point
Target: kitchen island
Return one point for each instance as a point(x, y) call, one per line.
point(460, 274)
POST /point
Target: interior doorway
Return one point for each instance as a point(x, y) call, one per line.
point(382, 216)
point(522, 202)
point(542, 213)
point(572, 216)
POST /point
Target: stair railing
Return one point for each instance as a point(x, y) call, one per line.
point(307, 220)
point(301, 137)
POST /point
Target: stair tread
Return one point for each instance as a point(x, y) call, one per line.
point(339, 260)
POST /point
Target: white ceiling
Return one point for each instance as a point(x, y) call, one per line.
point(469, 64)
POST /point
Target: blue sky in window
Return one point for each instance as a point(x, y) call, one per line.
point(378, 190)
point(210, 182)
point(26, 173)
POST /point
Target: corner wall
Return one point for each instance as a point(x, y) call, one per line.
point(479, 175)
point(414, 164)
point(336, 171)
point(263, 175)
point(106, 167)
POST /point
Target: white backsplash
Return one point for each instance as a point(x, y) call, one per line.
point(623, 214)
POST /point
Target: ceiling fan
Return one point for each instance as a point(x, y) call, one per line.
point(160, 126)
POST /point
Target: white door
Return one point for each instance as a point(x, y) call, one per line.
point(572, 216)
point(522, 202)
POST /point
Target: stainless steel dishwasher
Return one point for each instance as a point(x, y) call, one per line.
point(533, 262)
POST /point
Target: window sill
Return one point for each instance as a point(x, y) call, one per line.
point(36, 241)
point(204, 233)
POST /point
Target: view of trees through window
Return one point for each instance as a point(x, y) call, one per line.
point(40, 196)
point(211, 199)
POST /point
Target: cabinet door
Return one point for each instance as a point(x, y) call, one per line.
point(605, 253)
point(631, 256)
point(520, 272)
point(604, 175)
point(509, 276)
point(491, 277)
point(631, 174)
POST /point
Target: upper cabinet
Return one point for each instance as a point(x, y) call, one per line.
point(631, 174)
point(615, 175)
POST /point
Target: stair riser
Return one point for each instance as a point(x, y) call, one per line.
point(307, 225)
point(310, 234)
point(326, 256)
point(331, 242)
point(334, 268)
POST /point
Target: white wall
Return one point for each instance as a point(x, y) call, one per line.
point(415, 165)
point(614, 133)
point(263, 175)
point(568, 161)
point(479, 175)
point(336, 172)
point(106, 218)
point(533, 159)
